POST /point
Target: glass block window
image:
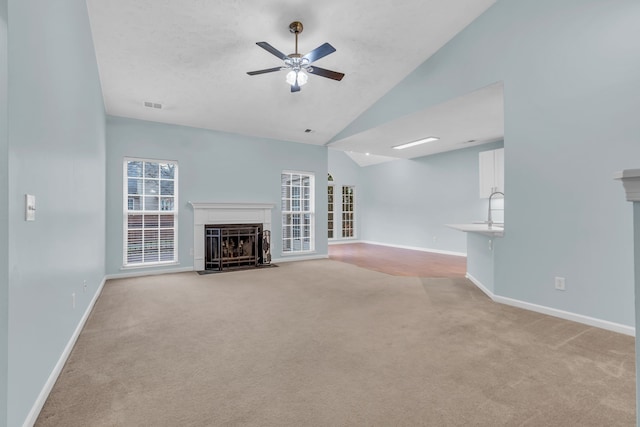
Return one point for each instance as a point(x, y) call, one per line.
point(348, 211)
point(297, 212)
point(330, 224)
point(150, 212)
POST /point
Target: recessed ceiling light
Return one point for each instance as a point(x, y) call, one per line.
point(367, 154)
point(414, 143)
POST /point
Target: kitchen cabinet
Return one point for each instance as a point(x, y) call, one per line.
point(491, 172)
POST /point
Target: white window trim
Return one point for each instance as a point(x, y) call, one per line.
point(125, 213)
point(355, 210)
point(149, 264)
point(312, 213)
point(332, 184)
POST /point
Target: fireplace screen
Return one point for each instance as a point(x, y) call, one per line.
point(233, 245)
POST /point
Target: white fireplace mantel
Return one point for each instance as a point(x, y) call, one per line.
point(206, 213)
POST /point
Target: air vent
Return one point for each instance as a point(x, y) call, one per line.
point(152, 105)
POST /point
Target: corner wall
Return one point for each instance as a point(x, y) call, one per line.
point(570, 71)
point(212, 167)
point(408, 202)
point(56, 144)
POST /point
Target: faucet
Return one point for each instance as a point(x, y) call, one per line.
point(489, 219)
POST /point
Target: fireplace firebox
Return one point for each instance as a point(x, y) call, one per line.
point(230, 246)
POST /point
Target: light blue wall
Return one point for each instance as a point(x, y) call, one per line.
point(408, 202)
point(570, 74)
point(480, 259)
point(4, 217)
point(213, 167)
point(570, 71)
point(345, 172)
point(57, 153)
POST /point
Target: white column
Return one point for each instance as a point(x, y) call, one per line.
point(631, 181)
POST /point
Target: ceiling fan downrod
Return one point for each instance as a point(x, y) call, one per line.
point(296, 63)
point(296, 28)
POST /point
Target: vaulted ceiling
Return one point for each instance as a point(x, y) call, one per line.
point(192, 57)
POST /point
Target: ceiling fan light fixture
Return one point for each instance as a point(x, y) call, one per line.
point(296, 78)
point(296, 63)
point(414, 143)
point(302, 78)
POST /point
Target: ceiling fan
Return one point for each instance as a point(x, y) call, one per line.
point(298, 65)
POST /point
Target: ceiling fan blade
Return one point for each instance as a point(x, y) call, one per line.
point(295, 88)
point(266, 46)
point(267, 70)
point(325, 73)
point(319, 52)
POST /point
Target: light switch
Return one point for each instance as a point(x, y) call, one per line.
point(30, 207)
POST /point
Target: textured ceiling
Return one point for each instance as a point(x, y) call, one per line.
point(192, 56)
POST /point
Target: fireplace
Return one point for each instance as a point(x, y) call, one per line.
point(235, 222)
point(235, 245)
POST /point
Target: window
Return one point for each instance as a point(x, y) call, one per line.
point(330, 211)
point(150, 212)
point(297, 212)
point(348, 211)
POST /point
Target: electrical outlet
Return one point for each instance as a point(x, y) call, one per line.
point(435, 239)
point(84, 286)
point(560, 285)
point(73, 300)
point(191, 251)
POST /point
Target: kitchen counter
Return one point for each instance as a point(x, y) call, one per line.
point(494, 231)
point(481, 242)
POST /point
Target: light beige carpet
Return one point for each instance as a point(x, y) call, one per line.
point(323, 343)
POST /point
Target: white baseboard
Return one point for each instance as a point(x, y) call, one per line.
point(140, 273)
point(567, 315)
point(299, 258)
point(48, 386)
point(57, 369)
point(480, 286)
point(414, 248)
point(344, 242)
